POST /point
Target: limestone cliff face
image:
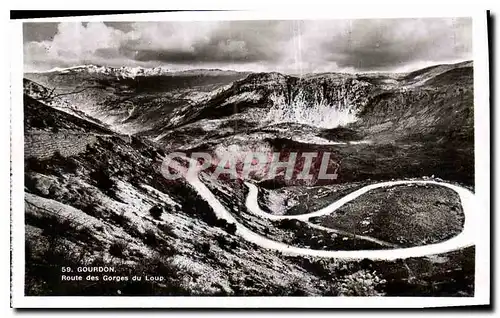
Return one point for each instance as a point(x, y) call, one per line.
point(324, 101)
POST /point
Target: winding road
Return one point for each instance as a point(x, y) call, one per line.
point(464, 239)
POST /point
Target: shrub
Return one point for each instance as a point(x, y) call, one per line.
point(193, 204)
point(30, 183)
point(228, 227)
point(288, 224)
point(102, 179)
point(50, 121)
point(163, 266)
point(90, 149)
point(67, 164)
point(297, 291)
point(135, 181)
point(167, 229)
point(222, 241)
point(166, 250)
point(203, 248)
point(150, 238)
point(360, 283)
point(106, 143)
point(293, 288)
point(37, 122)
point(91, 209)
point(119, 218)
point(56, 228)
point(366, 263)
point(33, 164)
point(231, 228)
point(136, 141)
point(316, 267)
point(83, 234)
point(234, 245)
point(221, 223)
point(117, 248)
point(156, 212)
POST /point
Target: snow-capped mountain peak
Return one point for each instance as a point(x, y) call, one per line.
point(132, 72)
point(124, 71)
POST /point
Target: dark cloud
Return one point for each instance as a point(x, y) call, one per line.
point(122, 26)
point(39, 31)
point(287, 46)
point(227, 42)
point(380, 44)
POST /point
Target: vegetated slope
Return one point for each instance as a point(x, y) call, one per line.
point(412, 215)
point(442, 107)
point(38, 116)
point(434, 123)
point(377, 127)
point(105, 203)
point(39, 92)
point(108, 205)
point(130, 100)
point(422, 75)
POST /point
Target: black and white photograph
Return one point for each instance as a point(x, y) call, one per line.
point(252, 158)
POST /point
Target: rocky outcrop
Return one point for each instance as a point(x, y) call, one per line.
point(282, 98)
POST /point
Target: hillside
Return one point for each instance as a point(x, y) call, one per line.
point(95, 194)
point(130, 100)
point(107, 202)
point(377, 132)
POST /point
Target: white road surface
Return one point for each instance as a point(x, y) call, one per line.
point(464, 239)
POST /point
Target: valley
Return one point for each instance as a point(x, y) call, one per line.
point(398, 220)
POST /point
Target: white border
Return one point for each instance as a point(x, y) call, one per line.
point(482, 172)
point(439, 10)
point(482, 155)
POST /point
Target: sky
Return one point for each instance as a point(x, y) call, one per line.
point(287, 46)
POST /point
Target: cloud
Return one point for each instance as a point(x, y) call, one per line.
point(207, 42)
point(73, 43)
point(378, 44)
point(384, 44)
point(287, 46)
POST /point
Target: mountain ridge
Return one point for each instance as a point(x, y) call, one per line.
point(132, 72)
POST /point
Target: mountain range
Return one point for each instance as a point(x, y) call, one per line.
point(95, 138)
